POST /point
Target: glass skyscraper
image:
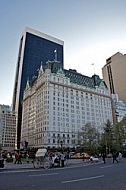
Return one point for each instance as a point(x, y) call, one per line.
point(35, 48)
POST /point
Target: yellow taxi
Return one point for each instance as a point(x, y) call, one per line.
point(81, 155)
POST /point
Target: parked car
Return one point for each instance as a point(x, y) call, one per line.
point(72, 154)
point(94, 159)
point(1, 162)
point(81, 155)
point(109, 155)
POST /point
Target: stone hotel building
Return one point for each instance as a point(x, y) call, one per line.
point(58, 103)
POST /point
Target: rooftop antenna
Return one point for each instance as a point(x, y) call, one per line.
point(55, 52)
point(94, 72)
point(92, 64)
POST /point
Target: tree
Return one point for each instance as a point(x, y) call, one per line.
point(108, 134)
point(89, 137)
point(120, 133)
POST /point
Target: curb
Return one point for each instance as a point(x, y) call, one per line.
point(25, 166)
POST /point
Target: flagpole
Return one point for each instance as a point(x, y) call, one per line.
point(94, 67)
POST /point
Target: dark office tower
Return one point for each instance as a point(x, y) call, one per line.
point(35, 49)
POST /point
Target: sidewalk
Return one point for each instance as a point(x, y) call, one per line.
point(25, 165)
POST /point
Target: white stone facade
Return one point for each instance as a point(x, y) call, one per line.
point(55, 110)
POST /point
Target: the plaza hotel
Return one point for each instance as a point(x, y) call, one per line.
point(59, 102)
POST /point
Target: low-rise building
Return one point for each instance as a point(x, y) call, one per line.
point(7, 128)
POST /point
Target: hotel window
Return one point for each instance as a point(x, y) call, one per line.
point(73, 120)
point(77, 103)
point(67, 124)
point(67, 119)
point(83, 117)
point(71, 92)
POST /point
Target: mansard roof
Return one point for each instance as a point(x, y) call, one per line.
point(78, 78)
point(74, 76)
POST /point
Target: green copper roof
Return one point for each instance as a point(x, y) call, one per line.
point(74, 76)
point(60, 71)
point(79, 79)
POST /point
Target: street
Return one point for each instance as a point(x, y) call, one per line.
point(93, 176)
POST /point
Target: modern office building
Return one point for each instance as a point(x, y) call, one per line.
point(35, 48)
point(7, 128)
point(118, 109)
point(59, 103)
point(114, 75)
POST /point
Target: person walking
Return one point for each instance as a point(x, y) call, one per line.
point(16, 158)
point(62, 158)
point(67, 157)
point(19, 160)
point(114, 158)
point(103, 157)
point(120, 156)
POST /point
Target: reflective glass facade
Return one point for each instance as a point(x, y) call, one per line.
point(38, 50)
point(35, 49)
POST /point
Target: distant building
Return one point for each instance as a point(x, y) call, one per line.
point(7, 128)
point(59, 102)
point(35, 48)
point(118, 109)
point(114, 75)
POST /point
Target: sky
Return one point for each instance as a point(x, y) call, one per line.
point(92, 31)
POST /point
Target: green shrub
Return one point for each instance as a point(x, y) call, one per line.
point(9, 159)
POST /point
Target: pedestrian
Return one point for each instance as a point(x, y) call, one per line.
point(53, 159)
point(120, 156)
point(114, 158)
point(67, 157)
point(103, 157)
point(19, 160)
point(62, 158)
point(16, 158)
